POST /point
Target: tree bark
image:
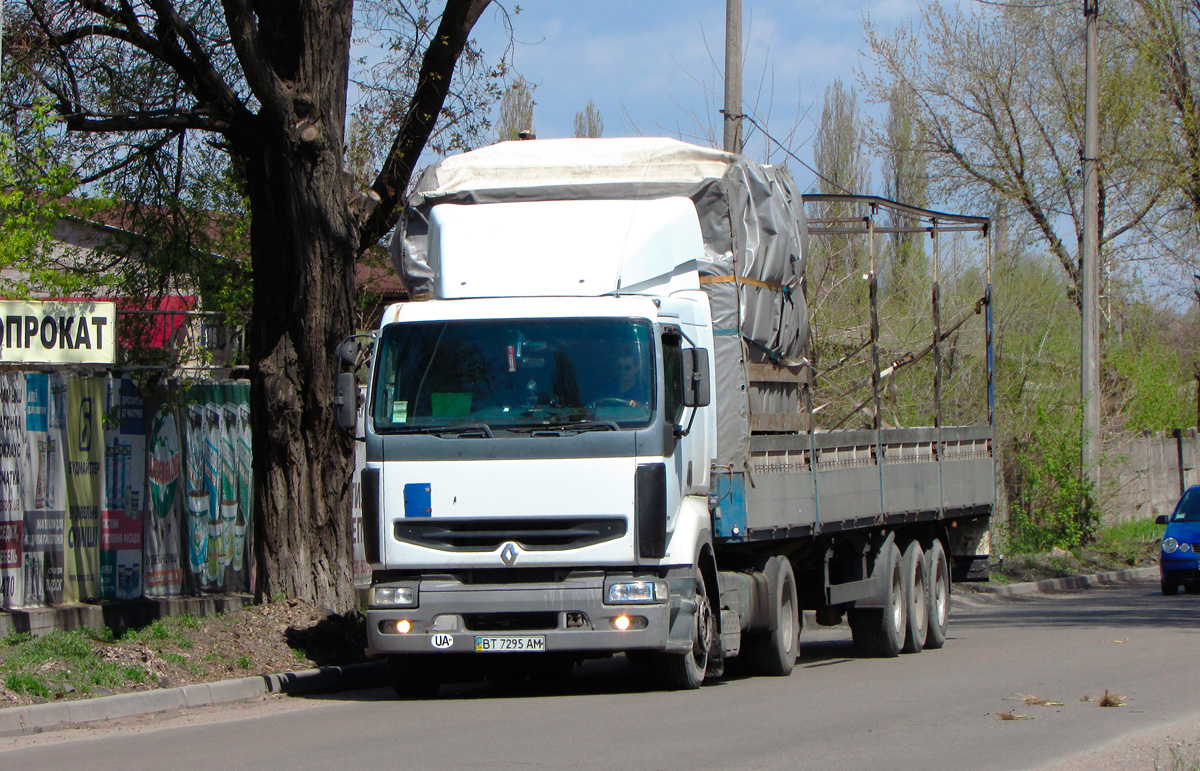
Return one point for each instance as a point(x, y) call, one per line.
point(303, 243)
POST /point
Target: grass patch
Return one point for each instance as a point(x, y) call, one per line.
point(167, 631)
point(24, 682)
point(1126, 545)
point(63, 662)
point(244, 662)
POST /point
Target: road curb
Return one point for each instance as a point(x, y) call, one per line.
point(1071, 583)
point(36, 718)
point(18, 721)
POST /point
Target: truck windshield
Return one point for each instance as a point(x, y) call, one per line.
point(581, 374)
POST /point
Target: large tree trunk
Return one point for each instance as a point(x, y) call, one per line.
point(303, 243)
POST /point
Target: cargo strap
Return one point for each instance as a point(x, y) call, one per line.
point(742, 280)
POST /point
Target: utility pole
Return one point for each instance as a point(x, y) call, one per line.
point(733, 77)
point(1089, 301)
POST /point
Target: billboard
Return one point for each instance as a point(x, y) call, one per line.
point(58, 332)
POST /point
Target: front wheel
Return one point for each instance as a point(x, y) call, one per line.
point(685, 671)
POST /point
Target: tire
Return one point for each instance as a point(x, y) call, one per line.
point(685, 671)
point(1192, 588)
point(916, 598)
point(937, 575)
point(880, 632)
point(414, 677)
point(773, 652)
point(1170, 589)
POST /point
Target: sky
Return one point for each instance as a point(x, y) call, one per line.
point(653, 67)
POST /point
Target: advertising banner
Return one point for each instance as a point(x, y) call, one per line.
point(218, 487)
point(12, 507)
point(85, 486)
point(164, 518)
point(58, 332)
point(124, 491)
point(44, 490)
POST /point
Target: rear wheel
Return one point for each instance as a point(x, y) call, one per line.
point(773, 652)
point(938, 577)
point(685, 671)
point(414, 677)
point(916, 598)
point(881, 631)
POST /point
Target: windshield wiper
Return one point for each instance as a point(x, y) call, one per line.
point(556, 428)
point(460, 430)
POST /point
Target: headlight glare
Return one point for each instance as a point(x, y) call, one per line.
point(635, 592)
point(1169, 545)
point(394, 596)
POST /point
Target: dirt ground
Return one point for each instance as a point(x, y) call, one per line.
point(276, 637)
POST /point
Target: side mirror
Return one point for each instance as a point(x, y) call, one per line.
point(697, 387)
point(347, 351)
point(346, 399)
point(1161, 519)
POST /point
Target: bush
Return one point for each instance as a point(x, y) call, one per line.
point(1050, 503)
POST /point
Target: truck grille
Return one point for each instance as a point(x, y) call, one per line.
point(484, 535)
point(510, 622)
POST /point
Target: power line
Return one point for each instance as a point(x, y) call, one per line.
point(792, 155)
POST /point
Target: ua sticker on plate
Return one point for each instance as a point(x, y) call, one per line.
point(442, 640)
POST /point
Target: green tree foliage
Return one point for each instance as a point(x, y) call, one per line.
point(516, 110)
point(1150, 386)
point(1050, 504)
point(35, 189)
point(905, 180)
point(588, 122)
point(839, 149)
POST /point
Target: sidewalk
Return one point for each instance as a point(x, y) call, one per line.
point(17, 721)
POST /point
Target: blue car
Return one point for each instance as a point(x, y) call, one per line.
point(1180, 544)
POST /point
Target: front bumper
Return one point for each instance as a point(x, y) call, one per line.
point(1179, 570)
point(569, 613)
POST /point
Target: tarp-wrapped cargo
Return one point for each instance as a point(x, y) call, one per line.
point(751, 220)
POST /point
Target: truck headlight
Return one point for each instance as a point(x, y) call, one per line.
point(393, 596)
point(635, 592)
point(1169, 545)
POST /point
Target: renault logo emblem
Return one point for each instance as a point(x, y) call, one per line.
point(509, 555)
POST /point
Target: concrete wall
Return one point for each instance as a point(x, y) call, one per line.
point(1139, 478)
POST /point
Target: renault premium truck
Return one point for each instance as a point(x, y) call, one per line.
point(590, 432)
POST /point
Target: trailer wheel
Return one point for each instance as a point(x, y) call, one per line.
point(937, 574)
point(413, 677)
point(880, 631)
point(773, 652)
point(685, 671)
point(916, 598)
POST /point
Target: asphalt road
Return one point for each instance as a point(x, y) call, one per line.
point(935, 710)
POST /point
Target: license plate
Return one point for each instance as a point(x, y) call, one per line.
point(510, 644)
